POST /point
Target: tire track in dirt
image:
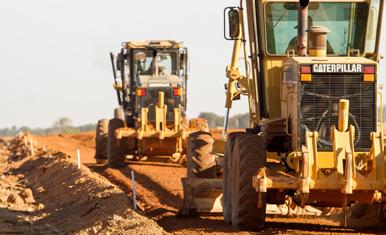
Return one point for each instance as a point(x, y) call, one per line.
point(159, 192)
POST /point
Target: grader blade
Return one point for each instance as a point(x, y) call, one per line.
point(201, 196)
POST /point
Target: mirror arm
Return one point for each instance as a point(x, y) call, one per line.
point(379, 29)
point(233, 74)
point(115, 78)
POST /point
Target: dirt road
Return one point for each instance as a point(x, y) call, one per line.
point(160, 196)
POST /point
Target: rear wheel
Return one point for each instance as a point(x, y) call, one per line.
point(101, 139)
point(248, 156)
point(116, 147)
point(201, 163)
point(226, 200)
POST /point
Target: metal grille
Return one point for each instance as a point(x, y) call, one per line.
point(151, 100)
point(319, 102)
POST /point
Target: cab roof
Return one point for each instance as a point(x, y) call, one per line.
point(152, 44)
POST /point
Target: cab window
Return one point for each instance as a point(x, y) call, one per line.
point(167, 61)
point(346, 21)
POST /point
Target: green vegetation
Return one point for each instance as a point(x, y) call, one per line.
point(62, 126)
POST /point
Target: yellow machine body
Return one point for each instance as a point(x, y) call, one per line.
point(326, 168)
point(152, 96)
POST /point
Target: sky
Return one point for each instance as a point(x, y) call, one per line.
point(54, 55)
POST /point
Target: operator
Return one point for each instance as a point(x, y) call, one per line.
point(292, 44)
point(153, 68)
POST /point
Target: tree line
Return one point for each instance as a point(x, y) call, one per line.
point(64, 125)
point(61, 126)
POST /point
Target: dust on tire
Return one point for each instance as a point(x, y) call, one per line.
point(101, 140)
point(201, 163)
point(248, 156)
point(116, 147)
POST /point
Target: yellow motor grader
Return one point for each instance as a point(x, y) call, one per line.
point(150, 78)
point(315, 135)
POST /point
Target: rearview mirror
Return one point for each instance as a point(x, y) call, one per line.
point(182, 61)
point(183, 58)
point(120, 61)
point(233, 23)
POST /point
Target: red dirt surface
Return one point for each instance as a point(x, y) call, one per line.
point(46, 193)
point(69, 144)
point(160, 195)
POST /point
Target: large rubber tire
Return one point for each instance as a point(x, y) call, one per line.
point(101, 139)
point(247, 158)
point(130, 143)
point(116, 147)
point(226, 199)
point(201, 163)
point(199, 124)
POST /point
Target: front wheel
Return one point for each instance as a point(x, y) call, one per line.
point(201, 163)
point(101, 140)
point(248, 207)
point(226, 200)
point(116, 147)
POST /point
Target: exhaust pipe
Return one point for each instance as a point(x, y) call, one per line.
point(302, 39)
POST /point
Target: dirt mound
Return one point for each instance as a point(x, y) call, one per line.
point(47, 194)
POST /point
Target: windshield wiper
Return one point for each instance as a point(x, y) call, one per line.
point(281, 17)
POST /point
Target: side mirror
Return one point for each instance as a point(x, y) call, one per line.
point(182, 61)
point(120, 61)
point(233, 23)
point(183, 58)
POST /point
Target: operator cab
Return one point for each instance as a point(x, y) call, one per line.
point(153, 67)
point(155, 71)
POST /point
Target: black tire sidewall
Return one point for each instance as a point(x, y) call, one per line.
point(116, 147)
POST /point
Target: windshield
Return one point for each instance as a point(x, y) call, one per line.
point(145, 62)
point(346, 21)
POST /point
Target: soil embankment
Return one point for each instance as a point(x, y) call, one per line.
point(47, 194)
